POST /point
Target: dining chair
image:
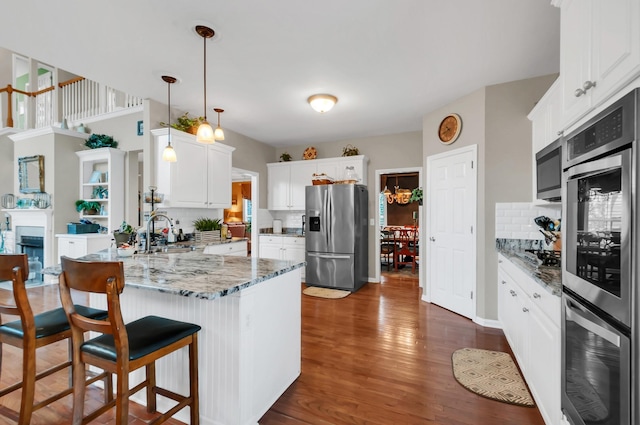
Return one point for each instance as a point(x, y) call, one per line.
point(31, 332)
point(123, 348)
point(407, 241)
point(387, 248)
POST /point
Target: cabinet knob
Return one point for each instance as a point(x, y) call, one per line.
point(588, 85)
point(499, 261)
point(504, 281)
point(536, 295)
point(579, 92)
point(560, 133)
point(525, 309)
point(513, 293)
point(432, 239)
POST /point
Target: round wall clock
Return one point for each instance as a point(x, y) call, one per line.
point(450, 128)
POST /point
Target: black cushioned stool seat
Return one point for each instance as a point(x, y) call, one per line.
point(50, 322)
point(146, 335)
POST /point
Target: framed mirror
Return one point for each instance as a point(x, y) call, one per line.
point(31, 174)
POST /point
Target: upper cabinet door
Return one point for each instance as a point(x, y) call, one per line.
point(189, 180)
point(575, 65)
point(616, 45)
point(278, 179)
point(600, 52)
point(219, 177)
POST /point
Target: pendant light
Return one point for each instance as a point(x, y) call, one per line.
point(169, 154)
point(218, 134)
point(205, 132)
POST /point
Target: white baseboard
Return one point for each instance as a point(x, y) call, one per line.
point(488, 323)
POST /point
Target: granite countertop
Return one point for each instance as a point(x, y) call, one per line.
point(549, 278)
point(192, 274)
point(285, 234)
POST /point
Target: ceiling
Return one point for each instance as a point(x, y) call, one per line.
point(389, 62)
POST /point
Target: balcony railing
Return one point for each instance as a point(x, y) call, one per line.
point(79, 99)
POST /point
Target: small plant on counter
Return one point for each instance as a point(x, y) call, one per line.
point(89, 207)
point(204, 224)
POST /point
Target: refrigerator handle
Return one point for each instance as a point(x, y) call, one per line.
point(325, 214)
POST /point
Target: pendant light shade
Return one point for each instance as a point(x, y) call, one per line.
point(205, 132)
point(218, 133)
point(169, 154)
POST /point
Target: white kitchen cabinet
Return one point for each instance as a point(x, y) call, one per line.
point(599, 52)
point(287, 180)
point(200, 178)
point(102, 181)
point(236, 249)
point(283, 248)
point(530, 318)
point(76, 246)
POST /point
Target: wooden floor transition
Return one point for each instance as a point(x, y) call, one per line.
point(378, 356)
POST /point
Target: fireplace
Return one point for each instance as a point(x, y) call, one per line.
point(33, 246)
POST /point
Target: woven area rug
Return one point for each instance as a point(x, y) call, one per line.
point(315, 291)
point(491, 374)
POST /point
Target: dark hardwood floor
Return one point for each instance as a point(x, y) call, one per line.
point(382, 356)
point(378, 356)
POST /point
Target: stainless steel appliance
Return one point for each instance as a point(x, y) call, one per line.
point(549, 172)
point(600, 344)
point(337, 241)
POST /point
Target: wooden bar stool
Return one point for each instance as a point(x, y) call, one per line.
point(123, 348)
point(31, 332)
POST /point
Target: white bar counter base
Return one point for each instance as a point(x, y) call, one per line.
point(249, 310)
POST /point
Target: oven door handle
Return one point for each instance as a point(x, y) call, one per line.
point(581, 319)
point(613, 161)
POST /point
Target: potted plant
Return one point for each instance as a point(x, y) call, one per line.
point(96, 141)
point(124, 234)
point(186, 123)
point(416, 195)
point(285, 157)
point(89, 207)
point(207, 229)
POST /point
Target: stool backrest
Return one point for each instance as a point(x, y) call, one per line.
point(99, 277)
point(14, 267)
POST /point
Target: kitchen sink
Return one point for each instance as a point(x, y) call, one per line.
point(168, 250)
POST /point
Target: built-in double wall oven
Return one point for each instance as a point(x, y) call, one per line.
point(599, 331)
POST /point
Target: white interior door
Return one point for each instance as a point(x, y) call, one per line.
point(451, 241)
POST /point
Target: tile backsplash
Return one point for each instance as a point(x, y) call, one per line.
point(515, 220)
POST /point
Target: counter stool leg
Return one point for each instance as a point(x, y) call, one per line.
point(151, 387)
point(122, 398)
point(193, 380)
point(78, 390)
point(28, 381)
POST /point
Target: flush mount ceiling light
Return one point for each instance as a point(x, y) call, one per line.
point(218, 134)
point(169, 154)
point(205, 132)
point(322, 102)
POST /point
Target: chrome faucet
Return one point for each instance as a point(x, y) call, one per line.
point(147, 243)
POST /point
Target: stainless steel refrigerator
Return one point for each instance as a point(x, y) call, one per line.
point(336, 236)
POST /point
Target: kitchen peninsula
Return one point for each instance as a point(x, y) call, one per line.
point(249, 310)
